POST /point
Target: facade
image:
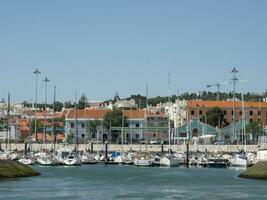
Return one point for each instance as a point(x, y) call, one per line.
point(254, 111)
point(90, 126)
point(176, 111)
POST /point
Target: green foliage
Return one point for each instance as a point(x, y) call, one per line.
point(3, 124)
point(114, 118)
point(93, 126)
point(68, 104)
point(82, 102)
point(254, 127)
point(215, 117)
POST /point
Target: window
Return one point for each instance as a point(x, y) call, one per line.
point(240, 112)
point(232, 112)
point(136, 136)
point(259, 113)
point(192, 112)
point(72, 125)
point(225, 112)
point(137, 125)
point(251, 113)
point(251, 120)
point(154, 135)
point(82, 125)
point(200, 112)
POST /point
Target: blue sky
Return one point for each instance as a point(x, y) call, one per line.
point(100, 47)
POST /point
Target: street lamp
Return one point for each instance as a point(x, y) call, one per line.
point(234, 79)
point(36, 73)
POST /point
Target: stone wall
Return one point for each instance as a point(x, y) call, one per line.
point(143, 148)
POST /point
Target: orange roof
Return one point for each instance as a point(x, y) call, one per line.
point(99, 114)
point(225, 104)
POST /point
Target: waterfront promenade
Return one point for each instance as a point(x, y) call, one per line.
point(140, 148)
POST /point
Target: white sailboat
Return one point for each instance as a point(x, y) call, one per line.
point(241, 159)
point(27, 160)
point(46, 159)
point(88, 159)
point(169, 160)
point(143, 162)
point(72, 160)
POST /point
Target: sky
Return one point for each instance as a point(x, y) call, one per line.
point(103, 47)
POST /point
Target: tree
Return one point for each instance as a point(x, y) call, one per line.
point(215, 117)
point(114, 118)
point(93, 126)
point(82, 101)
point(68, 104)
point(58, 106)
point(255, 128)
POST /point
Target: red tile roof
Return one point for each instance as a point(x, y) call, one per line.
point(99, 114)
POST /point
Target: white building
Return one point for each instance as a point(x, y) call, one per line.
point(176, 111)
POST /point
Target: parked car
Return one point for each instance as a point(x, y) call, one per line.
point(94, 141)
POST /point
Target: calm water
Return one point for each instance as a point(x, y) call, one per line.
point(126, 182)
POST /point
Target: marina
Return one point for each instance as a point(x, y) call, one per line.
point(142, 100)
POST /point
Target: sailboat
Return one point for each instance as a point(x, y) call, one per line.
point(43, 157)
point(27, 160)
point(242, 159)
point(46, 159)
point(169, 160)
point(73, 159)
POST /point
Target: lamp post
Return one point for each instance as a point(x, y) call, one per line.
point(36, 73)
point(234, 79)
point(45, 116)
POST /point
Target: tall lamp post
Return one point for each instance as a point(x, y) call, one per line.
point(234, 79)
point(36, 73)
point(45, 116)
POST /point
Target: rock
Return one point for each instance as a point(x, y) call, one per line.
point(13, 169)
point(258, 171)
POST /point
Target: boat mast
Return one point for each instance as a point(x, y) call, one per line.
point(169, 121)
point(8, 138)
point(30, 127)
point(122, 129)
point(76, 123)
point(53, 129)
point(131, 134)
point(45, 114)
point(243, 122)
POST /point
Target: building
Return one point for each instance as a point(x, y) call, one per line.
point(254, 111)
point(176, 111)
point(90, 126)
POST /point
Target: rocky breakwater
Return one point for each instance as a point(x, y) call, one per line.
point(14, 169)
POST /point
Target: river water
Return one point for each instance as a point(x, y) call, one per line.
point(129, 182)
